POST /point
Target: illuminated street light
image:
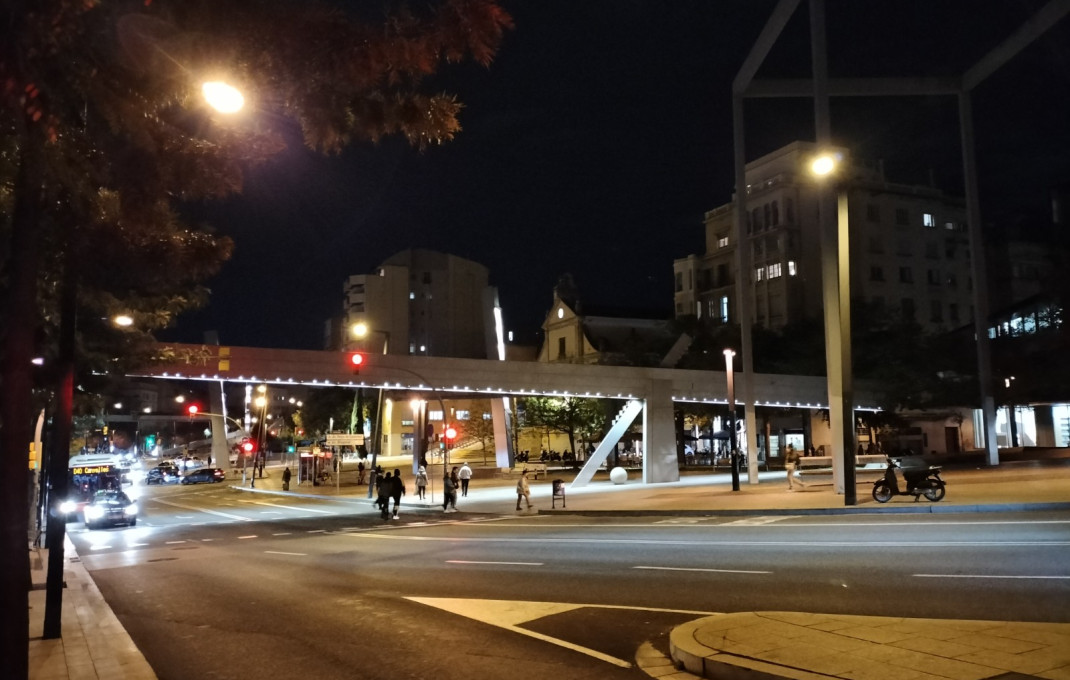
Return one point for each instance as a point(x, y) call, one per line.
point(123, 320)
point(222, 97)
point(825, 164)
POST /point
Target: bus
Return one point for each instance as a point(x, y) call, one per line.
point(87, 474)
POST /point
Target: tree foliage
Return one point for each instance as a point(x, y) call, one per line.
point(571, 416)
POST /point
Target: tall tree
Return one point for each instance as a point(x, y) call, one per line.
point(568, 415)
point(102, 129)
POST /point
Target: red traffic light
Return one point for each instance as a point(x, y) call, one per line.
point(356, 360)
point(247, 446)
point(193, 409)
point(450, 433)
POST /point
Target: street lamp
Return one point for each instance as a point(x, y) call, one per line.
point(733, 453)
point(222, 97)
point(361, 330)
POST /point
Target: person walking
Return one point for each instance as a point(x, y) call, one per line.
point(286, 479)
point(791, 458)
point(465, 475)
point(397, 490)
point(382, 500)
point(421, 483)
point(360, 473)
point(523, 490)
point(449, 494)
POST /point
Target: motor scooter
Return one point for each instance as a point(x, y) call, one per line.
point(919, 482)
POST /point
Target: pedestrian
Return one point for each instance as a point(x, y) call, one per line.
point(382, 500)
point(465, 475)
point(791, 457)
point(360, 473)
point(286, 479)
point(421, 483)
point(449, 494)
point(397, 490)
point(455, 478)
point(523, 490)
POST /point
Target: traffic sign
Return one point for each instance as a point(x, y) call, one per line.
point(345, 440)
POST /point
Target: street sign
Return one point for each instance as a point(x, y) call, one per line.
point(345, 440)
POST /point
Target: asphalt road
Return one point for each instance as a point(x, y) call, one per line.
point(221, 584)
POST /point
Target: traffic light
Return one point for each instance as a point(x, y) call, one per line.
point(150, 442)
point(193, 409)
point(248, 446)
point(356, 360)
point(450, 433)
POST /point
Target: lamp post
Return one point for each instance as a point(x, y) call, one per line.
point(733, 452)
point(261, 434)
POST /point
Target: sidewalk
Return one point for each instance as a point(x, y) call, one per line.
point(807, 646)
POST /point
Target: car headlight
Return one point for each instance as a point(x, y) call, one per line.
point(67, 507)
point(94, 512)
point(130, 509)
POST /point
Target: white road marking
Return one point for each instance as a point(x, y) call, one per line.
point(279, 552)
point(292, 507)
point(135, 545)
point(317, 531)
point(104, 546)
point(718, 571)
point(520, 564)
point(244, 537)
point(996, 576)
point(283, 533)
point(174, 542)
point(210, 512)
point(756, 521)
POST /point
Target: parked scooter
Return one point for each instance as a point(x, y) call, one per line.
point(919, 482)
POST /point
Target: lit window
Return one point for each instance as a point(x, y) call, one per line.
point(792, 269)
point(722, 242)
point(950, 226)
point(759, 273)
point(434, 415)
point(423, 348)
point(462, 414)
point(928, 220)
point(724, 309)
point(412, 295)
point(775, 270)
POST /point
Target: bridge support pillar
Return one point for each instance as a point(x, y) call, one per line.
point(659, 435)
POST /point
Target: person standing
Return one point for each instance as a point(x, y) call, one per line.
point(421, 483)
point(397, 490)
point(449, 494)
point(455, 478)
point(286, 479)
point(523, 490)
point(791, 458)
point(360, 473)
point(465, 475)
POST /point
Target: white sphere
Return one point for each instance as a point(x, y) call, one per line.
point(618, 475)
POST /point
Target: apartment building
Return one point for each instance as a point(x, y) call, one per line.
point(909, 249)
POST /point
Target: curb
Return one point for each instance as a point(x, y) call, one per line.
point(847, 510)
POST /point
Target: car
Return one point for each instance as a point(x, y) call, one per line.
point(109, 507)
point(207, 475)
point(162, 474)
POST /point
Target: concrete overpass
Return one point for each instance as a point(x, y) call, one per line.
point(655, 389)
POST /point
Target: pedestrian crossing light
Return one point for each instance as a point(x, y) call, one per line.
point(356, 361)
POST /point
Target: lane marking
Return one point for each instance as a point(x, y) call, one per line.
point(210, 512)
point(996, 576)
point(519, 564)
point(317, 531)
point(279, 552)
point(756, 521)
point(291, 507)
point(241, 538)
point(718, 571)
point(715, 543)
point(282, 533)
point(174, 542)
point(706, 523)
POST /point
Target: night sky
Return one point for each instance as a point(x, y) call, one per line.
point(602, 133)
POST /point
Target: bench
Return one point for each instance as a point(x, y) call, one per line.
point(818, 469)
point(536, 470)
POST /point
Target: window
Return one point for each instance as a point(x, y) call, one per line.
point(434, 415)
point(561, 348)
point(902, 217)
point(775, 271)
point(412, 295)
point(950, 226)
point(679, 282)
point(876, 245)
point(792, 269)
point(903, 247)
point(756, 218)
point(933, 277)
point(723, 278)
point(876, 273)
point(952, 281)
point(906, 307)
point(928, 220)
point(936, 311)
point(768, 218)
point(873, 212)
point(724, 309)
point(776, 213)
point(461, 414)
point(713, 311)
point(789, 210)
point(932, 249)
point(759, 273)
point(722, 241)
point(427, 278)
point(906, 275)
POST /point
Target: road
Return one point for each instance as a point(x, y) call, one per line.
point(223, 584)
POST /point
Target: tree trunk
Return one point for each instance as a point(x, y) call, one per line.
point(16, 410)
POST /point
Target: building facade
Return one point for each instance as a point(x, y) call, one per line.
point(909, 248)
point(419, 302)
